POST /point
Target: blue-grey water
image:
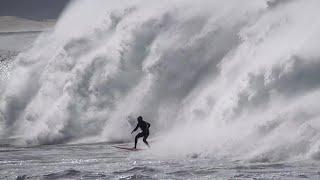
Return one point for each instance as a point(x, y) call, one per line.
point(102, 161)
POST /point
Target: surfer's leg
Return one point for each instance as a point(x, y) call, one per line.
point(136, 139)
point(145, 139)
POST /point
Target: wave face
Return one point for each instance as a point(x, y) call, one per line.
point(226, 78)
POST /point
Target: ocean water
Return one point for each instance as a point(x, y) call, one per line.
point(103, 161)
point(229, 87)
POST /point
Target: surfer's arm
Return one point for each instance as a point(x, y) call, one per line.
point(135, 128)
point(148, 125)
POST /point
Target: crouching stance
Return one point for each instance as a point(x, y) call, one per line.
point(144, 126)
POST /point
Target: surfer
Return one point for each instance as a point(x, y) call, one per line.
point(144, 126)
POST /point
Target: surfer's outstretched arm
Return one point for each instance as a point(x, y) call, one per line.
point(135, 128)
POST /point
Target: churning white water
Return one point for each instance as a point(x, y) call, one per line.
point(215, 78)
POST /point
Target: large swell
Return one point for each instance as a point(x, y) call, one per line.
point(223, 78)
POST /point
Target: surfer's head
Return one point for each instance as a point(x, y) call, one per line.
point(139, 118)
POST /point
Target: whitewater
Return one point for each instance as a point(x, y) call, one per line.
point(231, 89)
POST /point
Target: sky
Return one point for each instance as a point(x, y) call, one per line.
point(32, 9)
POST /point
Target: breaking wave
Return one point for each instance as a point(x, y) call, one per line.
point(225, 78)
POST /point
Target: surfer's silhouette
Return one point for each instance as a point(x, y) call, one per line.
point(144, 126)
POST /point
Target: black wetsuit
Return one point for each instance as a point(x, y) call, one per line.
point(144, 126)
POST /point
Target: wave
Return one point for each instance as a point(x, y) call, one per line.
point(216, 78)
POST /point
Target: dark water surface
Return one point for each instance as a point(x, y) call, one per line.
point(102, 161)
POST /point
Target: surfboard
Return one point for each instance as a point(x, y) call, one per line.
point(127, 148)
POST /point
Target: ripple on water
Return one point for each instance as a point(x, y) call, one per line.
point(136, 176)
point(63, 174)
point(141, 169)
point(66, 174)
